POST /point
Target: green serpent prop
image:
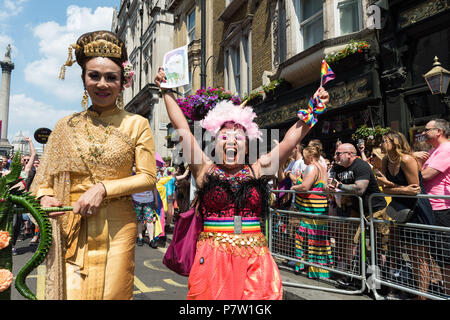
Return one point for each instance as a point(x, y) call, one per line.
point(8, 198)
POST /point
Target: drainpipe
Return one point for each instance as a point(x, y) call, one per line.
point(141, 13)
point(203, 44)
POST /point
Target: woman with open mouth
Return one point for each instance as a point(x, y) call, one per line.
point(232, 260)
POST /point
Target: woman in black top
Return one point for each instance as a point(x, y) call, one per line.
point(400, 174)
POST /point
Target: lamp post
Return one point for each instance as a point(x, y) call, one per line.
point(438, 80)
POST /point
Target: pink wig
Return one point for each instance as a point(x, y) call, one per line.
point(226, 111)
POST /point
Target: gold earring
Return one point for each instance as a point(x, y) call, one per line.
point(120, 104)
point(85, 101)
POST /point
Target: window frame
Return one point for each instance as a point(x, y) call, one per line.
point(300, 25)
point(191, 28)
point(337, 20)
point(239, 47)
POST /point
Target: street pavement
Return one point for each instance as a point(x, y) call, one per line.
point(153, 281)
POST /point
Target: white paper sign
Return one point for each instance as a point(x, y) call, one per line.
point(176, 67)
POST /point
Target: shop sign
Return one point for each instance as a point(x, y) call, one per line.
point(340, 94)
point(41, 135)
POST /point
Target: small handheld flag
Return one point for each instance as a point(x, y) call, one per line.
point(326, 74)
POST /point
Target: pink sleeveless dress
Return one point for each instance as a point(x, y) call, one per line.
point(233, 264)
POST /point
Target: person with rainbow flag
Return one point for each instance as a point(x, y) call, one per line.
point(232, 259)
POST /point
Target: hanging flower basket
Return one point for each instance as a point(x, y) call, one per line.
point(195, 107)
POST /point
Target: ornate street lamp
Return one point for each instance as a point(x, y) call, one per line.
point(437, 78)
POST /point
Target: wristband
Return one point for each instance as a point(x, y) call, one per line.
point(339, 186)
point(167, 90)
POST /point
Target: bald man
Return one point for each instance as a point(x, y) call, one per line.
point(354, 175)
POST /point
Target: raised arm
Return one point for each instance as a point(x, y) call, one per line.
point(192, 152)
point(184, 175)
point(33, 154)
point(268, 164)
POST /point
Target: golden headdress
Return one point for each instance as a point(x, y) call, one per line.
point(94, 44)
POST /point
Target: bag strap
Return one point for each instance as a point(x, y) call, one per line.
point(195, 204)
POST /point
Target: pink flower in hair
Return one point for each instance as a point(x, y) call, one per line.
point(128, 73)
point(226, 111)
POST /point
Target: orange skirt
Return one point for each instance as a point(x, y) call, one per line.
point(225, 269)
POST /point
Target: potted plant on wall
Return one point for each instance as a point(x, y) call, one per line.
point(370, 135)
point(254, 98)
point(276, 87)
point(353, 53)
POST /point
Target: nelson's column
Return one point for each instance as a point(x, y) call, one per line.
point(7, 68)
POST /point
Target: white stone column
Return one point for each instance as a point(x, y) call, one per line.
point(7, 67)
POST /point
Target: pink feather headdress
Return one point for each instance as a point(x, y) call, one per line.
point(226, 111)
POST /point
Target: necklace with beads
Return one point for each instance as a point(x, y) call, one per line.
point(234, 179)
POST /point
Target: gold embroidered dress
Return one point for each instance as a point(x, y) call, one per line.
point(93, 257)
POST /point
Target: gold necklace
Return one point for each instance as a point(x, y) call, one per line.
point(95, 150)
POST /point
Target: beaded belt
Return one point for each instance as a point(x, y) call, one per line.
point(235, 225)
point(235, 240)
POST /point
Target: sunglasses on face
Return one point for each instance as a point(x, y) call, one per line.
point(337, 154)
point(429, 129)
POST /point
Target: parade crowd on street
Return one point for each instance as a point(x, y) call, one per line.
point(101, 162)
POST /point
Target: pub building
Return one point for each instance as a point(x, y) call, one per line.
point(413, 34)
point(355, 97)
point(382, 86)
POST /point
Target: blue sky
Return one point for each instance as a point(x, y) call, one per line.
point(40, 31)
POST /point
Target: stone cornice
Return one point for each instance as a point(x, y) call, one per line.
point(422, 11)
point(7, 66)
point(229, 11)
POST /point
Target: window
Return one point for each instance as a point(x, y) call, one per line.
point(349, 17)
point(310, 20)
point(191, 26)
point(236, 59)
point(237, 66)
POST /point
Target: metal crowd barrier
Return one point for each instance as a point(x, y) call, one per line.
point(348, 257)
point(413, 262)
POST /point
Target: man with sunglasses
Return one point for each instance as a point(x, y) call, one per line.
point(354, 175)
point(436, 180)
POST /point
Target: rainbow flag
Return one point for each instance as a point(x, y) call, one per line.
point(326, 73)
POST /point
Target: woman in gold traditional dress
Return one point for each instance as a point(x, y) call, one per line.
point(88, 164)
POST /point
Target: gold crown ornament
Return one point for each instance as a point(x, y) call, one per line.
point(102, 48)
point(93, 48)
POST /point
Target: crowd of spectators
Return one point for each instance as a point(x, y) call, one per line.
point(393, 168)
